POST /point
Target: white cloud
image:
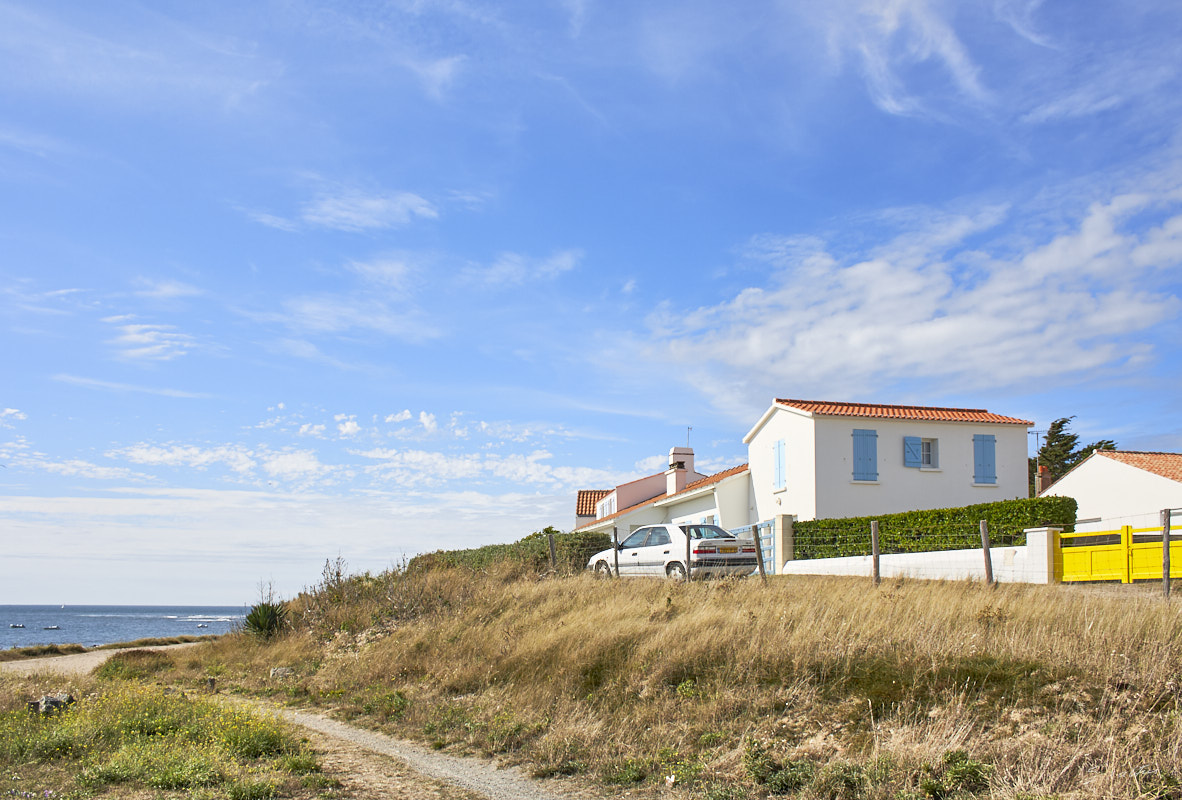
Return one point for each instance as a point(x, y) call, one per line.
point(513, 268)
point(437, 75)
point(347, 425)
point(308, 429)
point(931, 311)
point(387, 272)
point(892, 41)
point(355, 211)
point(8, 415)
point(165, 290)
point(237, 458)
point(113, 386)
point(428, 422)
point(294, 465)
point(339, 313)
point(401, 416)
point(77, 468)
point(152, 342)
point(271, 220)
point(422, 468)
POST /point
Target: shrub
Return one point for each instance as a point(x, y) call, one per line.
point(933, 529)
point(134, 665)
point(265, 619)
point(532, 553)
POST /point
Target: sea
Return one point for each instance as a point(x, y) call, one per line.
point(25, 626)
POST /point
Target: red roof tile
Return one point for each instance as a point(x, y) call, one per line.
point(1167, 465)
point(698, 484)
point(585, 503)
point(877, 410)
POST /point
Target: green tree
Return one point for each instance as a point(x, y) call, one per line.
point(1060, 451)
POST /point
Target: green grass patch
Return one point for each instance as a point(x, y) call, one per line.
point(137, 737)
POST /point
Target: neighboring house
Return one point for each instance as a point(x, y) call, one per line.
point(678, 495)
point(1119, 487)
point(810, 460)
point(821, 460)
point(585, 505)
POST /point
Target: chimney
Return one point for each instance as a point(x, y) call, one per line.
point(1042, 480)
point(681, 464)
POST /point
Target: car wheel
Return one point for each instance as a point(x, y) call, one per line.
point(675, 571)
point(602, 570)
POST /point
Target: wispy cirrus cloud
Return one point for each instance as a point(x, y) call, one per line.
point(355, 211)
point(114, 386)
point(512, 269)
point(147, 341)
point(349, 210)
point(165, 289)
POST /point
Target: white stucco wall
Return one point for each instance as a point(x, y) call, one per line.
point(901, 488)
point(1030, 563)
point(693, 509)
point(820, 480)
point(799, 495)
point(1116, 492)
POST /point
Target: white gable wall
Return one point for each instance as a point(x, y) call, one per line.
point(799, 495)
point(1124, 494)
point(902, 488)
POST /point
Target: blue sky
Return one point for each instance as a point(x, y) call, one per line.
point(296, 280)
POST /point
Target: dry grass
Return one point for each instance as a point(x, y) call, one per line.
point(841, 689)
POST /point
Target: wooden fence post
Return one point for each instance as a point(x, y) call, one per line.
point(553, 555)
point(616, 553)
point(874, 550)
point(759, 550)
point(988, 555)
point(1165, 552)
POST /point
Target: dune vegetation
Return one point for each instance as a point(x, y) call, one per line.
point(811, 687)
point(120, 733)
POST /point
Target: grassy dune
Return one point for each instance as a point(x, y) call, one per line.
point(820, 687)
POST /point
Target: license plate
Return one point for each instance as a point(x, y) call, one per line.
point(728, 549)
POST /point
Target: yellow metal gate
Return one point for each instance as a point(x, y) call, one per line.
point(1127, 554)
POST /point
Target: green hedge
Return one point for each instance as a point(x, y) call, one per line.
point(935, 529)
point(532, 553)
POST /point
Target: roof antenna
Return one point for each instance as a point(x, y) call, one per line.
point(687, 433)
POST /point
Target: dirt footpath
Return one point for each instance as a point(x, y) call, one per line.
point(368, 764)
point(76, 663)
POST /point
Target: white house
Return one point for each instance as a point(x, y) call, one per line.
point(820, 460)
point(680, 494)
point(1119, 487)
point(810, 460)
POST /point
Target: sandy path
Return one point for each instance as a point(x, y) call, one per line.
point(76, 663)
point(368, 764)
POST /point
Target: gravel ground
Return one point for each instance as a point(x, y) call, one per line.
point(368, 764)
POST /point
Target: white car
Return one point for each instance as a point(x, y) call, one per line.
point(660, 550)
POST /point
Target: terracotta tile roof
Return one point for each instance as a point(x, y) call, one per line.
point(698, 484)
point(877, 410)
point(1167, 465)
point(585, 503)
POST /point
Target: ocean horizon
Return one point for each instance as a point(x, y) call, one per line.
point(93, 625)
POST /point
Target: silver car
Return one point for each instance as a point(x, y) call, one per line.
point(660, 550)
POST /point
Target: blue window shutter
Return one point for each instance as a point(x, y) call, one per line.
point(780, 456)
point(984, 458)
point(912, 451)
point(865, 455)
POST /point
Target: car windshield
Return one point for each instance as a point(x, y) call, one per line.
point(705, 532)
